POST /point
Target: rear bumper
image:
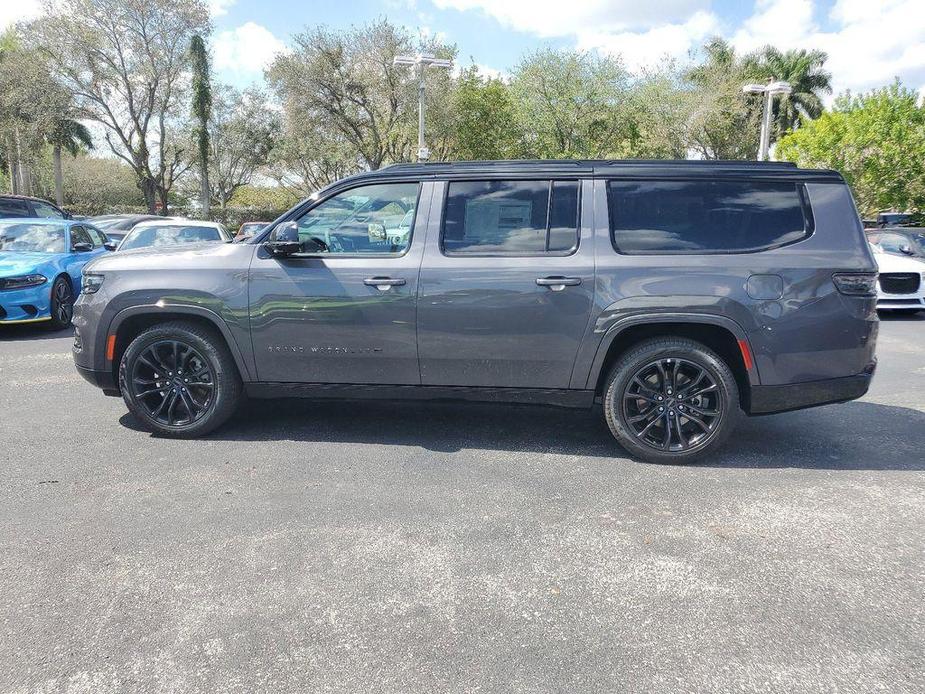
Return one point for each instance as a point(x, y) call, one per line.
point(796, 396)
point(101, 379)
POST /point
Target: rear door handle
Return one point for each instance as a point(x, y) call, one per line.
point(383, 283)
point(557, 284)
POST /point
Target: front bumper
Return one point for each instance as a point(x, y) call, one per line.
point(28, 305)
point(797, 396)
point(911, 302)
point(101, 379)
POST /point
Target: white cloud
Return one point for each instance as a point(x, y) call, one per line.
point(242, 53)
point(217, 8)
point(21, 10)
point(648, 48)
point(548, 18)
point(868, 43)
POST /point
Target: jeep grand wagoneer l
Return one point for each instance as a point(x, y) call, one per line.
point(679, 295)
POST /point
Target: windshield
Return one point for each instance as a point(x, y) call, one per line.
point(913, 243)
point(168, 235)
point(23, 237)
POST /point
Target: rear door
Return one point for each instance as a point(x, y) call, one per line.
point(507, 284)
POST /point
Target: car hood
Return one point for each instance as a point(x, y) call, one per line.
point(190, 255)
point(14, 264)
point(890, 262)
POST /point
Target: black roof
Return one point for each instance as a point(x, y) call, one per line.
point(681, 168)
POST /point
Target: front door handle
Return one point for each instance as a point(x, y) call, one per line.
point(557, 284)
point(383, 283)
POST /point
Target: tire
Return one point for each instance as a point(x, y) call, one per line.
point(689, 382)
point(163, 398)
point(61, 305)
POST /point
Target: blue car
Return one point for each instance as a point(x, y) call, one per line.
point(40, 264)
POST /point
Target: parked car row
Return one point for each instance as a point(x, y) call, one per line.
point(43, 250)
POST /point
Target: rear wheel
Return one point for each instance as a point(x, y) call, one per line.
point(62, 303)
point(671, 400)
point(180, 380)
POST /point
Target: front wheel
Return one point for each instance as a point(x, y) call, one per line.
point(179, 380)
point(62, 303)
point(671, 400)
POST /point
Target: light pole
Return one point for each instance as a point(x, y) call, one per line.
point(420, 62)
point(769, 90)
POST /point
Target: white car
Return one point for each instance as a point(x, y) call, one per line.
point(901, 285)
point(173, 231)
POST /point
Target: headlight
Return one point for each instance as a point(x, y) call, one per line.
point(91, 282)
point(21, 282)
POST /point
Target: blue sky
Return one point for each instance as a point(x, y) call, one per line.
point(869, 42)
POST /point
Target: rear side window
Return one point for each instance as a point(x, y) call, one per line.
point(511, 218)
point(675, 217)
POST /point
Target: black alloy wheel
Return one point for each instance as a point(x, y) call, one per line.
point(62, 303)
point(673, 405)
point(179, 379)
point(671, 400)
point(173, 383)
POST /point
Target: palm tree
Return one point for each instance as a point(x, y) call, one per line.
point(70, 135)
point(804, 71)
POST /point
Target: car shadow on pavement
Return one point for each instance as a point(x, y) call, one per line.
point(852, 436)
point(32, 331)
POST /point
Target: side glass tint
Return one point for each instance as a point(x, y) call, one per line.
point(674, 217)
point(510, 217)
point(375, 219)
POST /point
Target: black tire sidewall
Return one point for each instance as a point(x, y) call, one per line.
point(53, 303)
point(650, 351)
point(227, 391)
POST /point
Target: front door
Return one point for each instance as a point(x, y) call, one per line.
point(343, 311)
point(506, 285)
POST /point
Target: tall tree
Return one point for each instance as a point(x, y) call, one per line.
point(69, 135)
point(202, 108)
point(345, 84)
point(244, 131)
point(125, 62)
point(876, 140)
point(569, 104)
point(484, 119)
point(724, 124)
point(31, 102)
point(805, 73)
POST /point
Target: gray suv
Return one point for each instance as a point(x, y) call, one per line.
point(678, 295)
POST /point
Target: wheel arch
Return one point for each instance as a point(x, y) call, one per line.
point(721, 334)
point(130, 322)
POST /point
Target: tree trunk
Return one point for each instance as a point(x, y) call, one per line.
point(206, 192)
point(148, 191)
point(21, 172)
point(59, 178)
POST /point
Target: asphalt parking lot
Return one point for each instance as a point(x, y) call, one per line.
point(456, 548)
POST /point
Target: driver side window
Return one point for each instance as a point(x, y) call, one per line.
point(373, 219)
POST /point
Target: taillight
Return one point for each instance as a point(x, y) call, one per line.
point(856, 283)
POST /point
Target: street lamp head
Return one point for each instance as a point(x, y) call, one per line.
point(780, 87)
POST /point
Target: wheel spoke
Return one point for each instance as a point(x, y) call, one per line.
point(678, 380)
point(159, 370)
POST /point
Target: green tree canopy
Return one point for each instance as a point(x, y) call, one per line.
point(876, 140)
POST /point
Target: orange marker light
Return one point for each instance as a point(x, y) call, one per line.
point(110, 347)
point(746, 355)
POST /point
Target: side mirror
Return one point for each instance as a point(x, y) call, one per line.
point(284, 239)
point(110, 245)
point(82, 247)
